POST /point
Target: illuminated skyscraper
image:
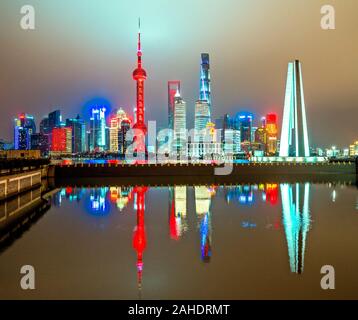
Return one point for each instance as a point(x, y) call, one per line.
point(115, 127)
point(24, 127)
point(202, 115)
point(201, 121)
point(294, 135)
point(97, 136)
point(173, 88)
point(54, 119)
point(122, 142)
point(245, 126)
point(205, 85)
point(78, 134)
point(232, 139)
point(272, 131)
point(62, 140)
point(179, 123)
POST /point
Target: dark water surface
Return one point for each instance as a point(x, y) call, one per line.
point(205, 242)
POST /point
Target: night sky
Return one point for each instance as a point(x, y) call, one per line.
point(83, 49)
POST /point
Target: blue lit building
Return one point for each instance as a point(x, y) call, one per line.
point(54, 119)
point(97, 134)
point(244, 120)
point(24, 127)
point(205, 86)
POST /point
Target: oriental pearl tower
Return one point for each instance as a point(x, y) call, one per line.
point(140, 75)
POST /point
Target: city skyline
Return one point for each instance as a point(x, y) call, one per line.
point(238, 90)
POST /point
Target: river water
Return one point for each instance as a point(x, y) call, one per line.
point(258, 241)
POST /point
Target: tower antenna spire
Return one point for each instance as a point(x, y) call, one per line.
point(139, 44)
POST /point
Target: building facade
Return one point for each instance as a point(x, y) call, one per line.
point(97, 133)
point(173, 88)
point(61, 140)
point(24, 127)
point(78, 127)
point(205, 82)
point(179, 125)
point(114, 129)
point(272, 132)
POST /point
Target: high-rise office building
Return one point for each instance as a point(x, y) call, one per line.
point(39, 141)
point(62, 140)
point(261, 136)
point(173, 88)
point(272, 131)
point(45, 126)
point(54, 119)
point(202, 115)
point(122, 142)
point(245, 125)
point(78, 127)
point(24, 127)
point(232, 138)
point(113, 134)
point(202, 118)
point(205, 82)
point(114, 129)
point(179, 123)
point(294, 135)
point(97, 136)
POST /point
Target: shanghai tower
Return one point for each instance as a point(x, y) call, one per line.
point(205, 87)
point(294, 135)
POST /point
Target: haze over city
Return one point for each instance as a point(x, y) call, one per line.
point(81, 50)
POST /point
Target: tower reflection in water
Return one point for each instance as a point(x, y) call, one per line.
point(203, 195)
point(295, 213)
point(177, 211)
point(296, 221)
point(139, 236)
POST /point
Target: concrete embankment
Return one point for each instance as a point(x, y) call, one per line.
point(191, 173)
point(20, 175)
point(139, 170)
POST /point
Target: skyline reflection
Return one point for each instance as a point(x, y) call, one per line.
point(295, 209)
point(152, 232)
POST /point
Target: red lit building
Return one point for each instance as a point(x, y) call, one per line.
point(61, 140)
point(272, 132)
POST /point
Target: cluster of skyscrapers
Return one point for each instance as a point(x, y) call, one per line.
point(73, 135)
point(228, 137)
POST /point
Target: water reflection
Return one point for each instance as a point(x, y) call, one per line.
point(177, 211)
point(291, 202)
point(139, 236)
point(203, 195)
point(296, 221)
